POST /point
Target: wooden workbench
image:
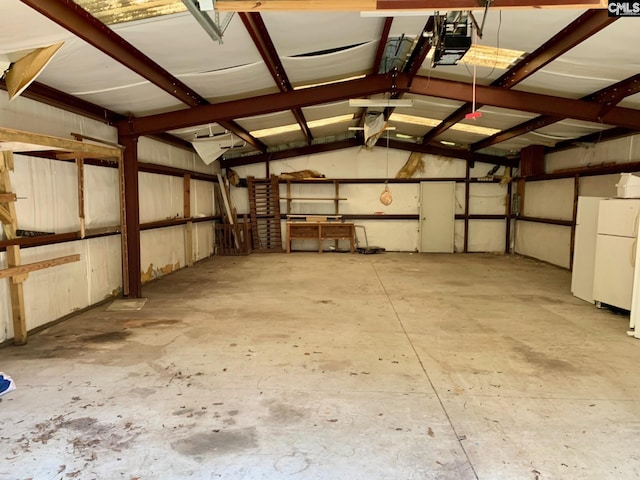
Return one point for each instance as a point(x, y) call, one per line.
point(321, 231)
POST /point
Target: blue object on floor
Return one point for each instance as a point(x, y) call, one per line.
point(6, 384)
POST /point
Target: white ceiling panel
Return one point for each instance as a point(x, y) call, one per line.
point(430, 107)
point(331, 66)
point(568, 129)
point(327, 110)
point(138, 100)
point(295, 33)
point(566, 79)
point(337, 129)
point(631, 102)
point(78, 68)
point(269, 120)
point(294, 138)
point(238, 82)
point(410, 26)
point(501, 118)
point(184, 47)
point(24, 29)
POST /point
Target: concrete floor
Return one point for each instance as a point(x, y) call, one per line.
point(333, 366)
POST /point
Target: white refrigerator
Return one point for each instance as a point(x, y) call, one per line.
point(584, 250)
point(616, 252)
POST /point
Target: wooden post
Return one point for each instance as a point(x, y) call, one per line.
point(123, 228)
point(507, 240)
point(574, 218)
point(132, 214)
point(16, 292)
point(80, 168)
point(467, 185)
point(189, 226)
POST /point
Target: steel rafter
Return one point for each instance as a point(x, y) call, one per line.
point(529, 102)
point(270, 103)
point(373, 84)
point(382, 45)
point(82, 24)
point(458, 153)
point(586, 25)
point(473, 4)
point(352, 142)
point(595, 137)
point(608, 97)
point(262, 40)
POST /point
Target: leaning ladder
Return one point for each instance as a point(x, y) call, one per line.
point(264, 202)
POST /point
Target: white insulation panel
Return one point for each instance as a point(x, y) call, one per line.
point(549, 199)
point(162, 251)
point(55, 292)
point(550, 243)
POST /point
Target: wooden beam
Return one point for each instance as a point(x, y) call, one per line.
point(10, 224)
point(38, 140)
point(80, 173)
point(188, 241)
point(7, 197)
point(19, 269)
point(16, 293)
point(130, 213)
point(5, 215)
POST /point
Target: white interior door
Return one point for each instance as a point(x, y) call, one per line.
point(437, 216)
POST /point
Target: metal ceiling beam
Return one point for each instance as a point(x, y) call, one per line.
point(595, 137)
point(353, 142)
point(373, 84)
point(582, 28)
point(382, 46)
point(260, 35)
point(80, 22)
point(586, 25)
point(59, 99)
point(608, 97)
point(247, 107)
point(525, 101)
point(381, 5)
point(449, 152)
point(293, 152)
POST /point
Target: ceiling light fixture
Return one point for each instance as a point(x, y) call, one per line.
point(362, 128)
point(491, 57)
point(382, 102)
point(329, 82)
point(293, 127)
point(431, 122)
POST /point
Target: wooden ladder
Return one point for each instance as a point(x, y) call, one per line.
point(264, 202)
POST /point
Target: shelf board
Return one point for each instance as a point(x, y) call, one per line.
point(313, 198)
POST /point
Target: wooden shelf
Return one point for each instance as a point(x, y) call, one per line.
point(314, 198)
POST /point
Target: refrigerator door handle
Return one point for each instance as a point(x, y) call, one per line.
point(635, 224)
point(632, 256)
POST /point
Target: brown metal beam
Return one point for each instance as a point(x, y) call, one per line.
point(78, 21)
point(260, 35)
point(582, 28)
point(525, 101)
point(474, 5)
point(293, 152)
point(132, 214)
point(382, 44)
point(270, 103)
point(449, 152)
point(609, 97)
point(589, 23)
point(595, 137)
point(368, 5)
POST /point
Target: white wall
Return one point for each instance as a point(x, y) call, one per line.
point(554, 198)
point(47, 192)
point(378, 163)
